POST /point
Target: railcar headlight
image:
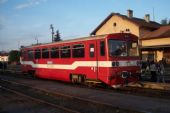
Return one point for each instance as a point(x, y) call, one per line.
point(113, 64)
point(117, 64)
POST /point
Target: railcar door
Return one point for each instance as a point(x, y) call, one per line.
point(103, 70)
point(92, 60)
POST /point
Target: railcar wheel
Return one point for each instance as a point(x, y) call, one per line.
point(80, 79)
point(32, 73)
point(77, 78)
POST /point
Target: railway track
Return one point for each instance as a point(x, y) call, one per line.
point(148, 92)
point(70, 104)
point(21, 94)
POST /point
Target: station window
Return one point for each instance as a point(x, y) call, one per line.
point(65, 52)
point(37, 54)
point(45, 53)
point(54, 52)
point(91, 50)
point(30, 54)
point(78, 51)
point(128, 30)
point(102, 48)
point(114, 24)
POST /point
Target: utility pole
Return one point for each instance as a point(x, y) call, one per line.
point(52, 32)
point(18, 44)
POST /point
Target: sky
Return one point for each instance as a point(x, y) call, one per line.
point(23, 22)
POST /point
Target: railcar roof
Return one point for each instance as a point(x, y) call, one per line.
point(68, 41)
point(72, 40)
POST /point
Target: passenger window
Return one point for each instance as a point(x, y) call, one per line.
point(45, 53)
point(91, 50)
point(54, 52)
point(65, 52)
point(102, 48)
point(37, 54)
point(30, 54)
point(78, 51)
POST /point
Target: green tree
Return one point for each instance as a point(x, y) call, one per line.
point(57, 36)
point(14, 56)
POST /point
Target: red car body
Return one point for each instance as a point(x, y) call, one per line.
point(95, 59)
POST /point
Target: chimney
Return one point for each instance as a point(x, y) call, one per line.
point(147, 18)
point(130, 13)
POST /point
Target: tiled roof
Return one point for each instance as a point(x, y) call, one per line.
point(162, 32)
point(139, 22)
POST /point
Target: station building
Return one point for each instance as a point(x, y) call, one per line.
point(3, 57)
point(156, 45)
point(148, 32)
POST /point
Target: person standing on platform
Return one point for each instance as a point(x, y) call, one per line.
point(161, 72)
point(153, 70)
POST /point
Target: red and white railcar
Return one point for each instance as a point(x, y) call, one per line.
point(111, 59)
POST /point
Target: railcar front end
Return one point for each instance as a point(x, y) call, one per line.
point(124, 60)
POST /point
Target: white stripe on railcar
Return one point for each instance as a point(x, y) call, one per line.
point(77, 64)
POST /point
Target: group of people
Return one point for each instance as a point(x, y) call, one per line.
point(156, 70)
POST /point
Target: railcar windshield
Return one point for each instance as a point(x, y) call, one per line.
point(123, 48)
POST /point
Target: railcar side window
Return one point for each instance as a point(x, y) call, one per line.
point(78, 51)
point(45, 53)
point(30, 54)
point(102, 48)
point(54, 52)
point(65, 52)
point(91, 50)
point(37, 54)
